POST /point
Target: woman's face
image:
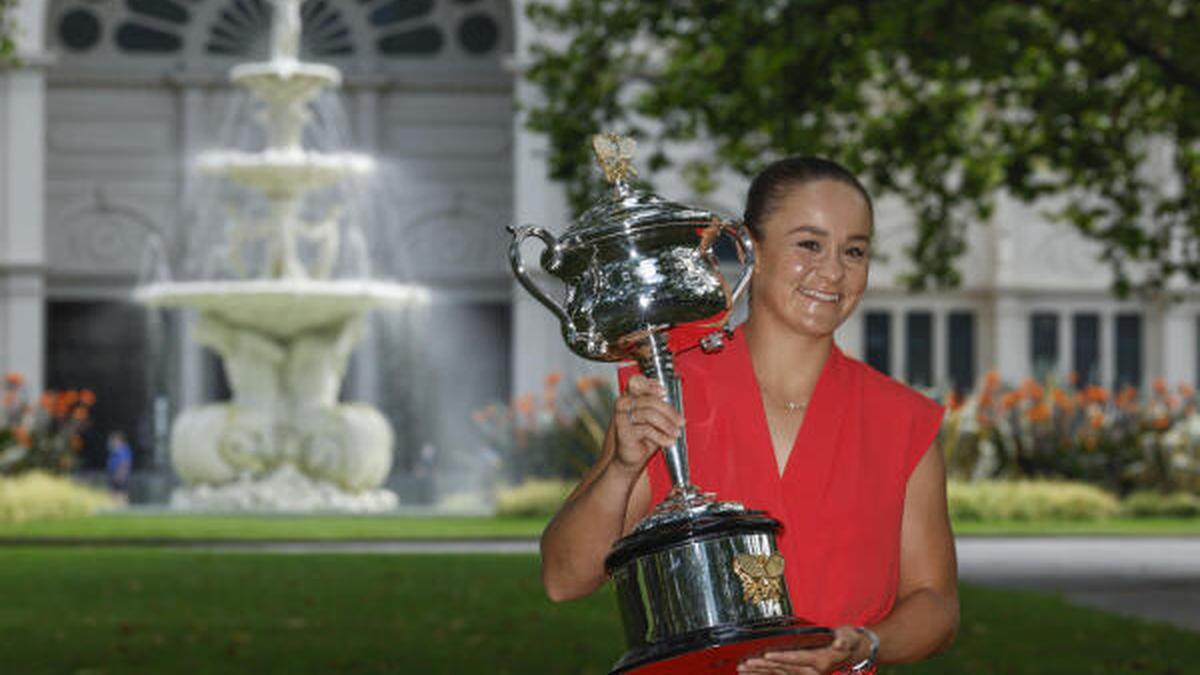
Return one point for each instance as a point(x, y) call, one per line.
point(813, 256)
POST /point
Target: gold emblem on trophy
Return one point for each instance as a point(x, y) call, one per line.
point(760, 576)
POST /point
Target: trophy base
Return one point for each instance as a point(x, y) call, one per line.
point(721, 649)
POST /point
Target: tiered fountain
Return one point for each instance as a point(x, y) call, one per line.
point(284, 330)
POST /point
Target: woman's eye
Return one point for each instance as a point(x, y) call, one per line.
point(810, 245)
point(856, 252)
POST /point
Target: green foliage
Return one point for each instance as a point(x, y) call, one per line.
point(533, 498)
point(1029, 501)
point(945, 104)
point(144, 610)
point(8, 42)
point(38, 496)
point(1149, 504)
point(45, 436)
point(558, 434)
point(1122, 441)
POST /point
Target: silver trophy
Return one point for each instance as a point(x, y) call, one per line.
point(699, 581)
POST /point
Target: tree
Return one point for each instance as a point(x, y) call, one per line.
point(8, 42)
point(944, 102)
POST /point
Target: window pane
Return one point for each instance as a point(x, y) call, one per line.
point(960, 353)
point(879, 341)
point(1129, 350)
point(1086, 357)
point(1043, 346)
point(918, 349)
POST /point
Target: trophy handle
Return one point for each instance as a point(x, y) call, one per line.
point(520, 234)
point(737, 231)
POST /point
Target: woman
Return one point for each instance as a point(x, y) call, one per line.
point(781, 420)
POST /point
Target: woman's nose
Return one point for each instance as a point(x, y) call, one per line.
point(830, 267)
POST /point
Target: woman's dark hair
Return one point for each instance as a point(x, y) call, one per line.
point(774, 181)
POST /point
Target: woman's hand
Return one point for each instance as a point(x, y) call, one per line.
point(644, 422)
point(848, 648)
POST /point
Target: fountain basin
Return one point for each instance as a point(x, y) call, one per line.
point(285, 80)
point(281, 308)
point(285, 173)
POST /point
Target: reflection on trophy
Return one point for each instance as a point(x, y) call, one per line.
point(699, 581)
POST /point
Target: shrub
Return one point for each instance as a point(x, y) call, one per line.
point(1029, 501)
point(1120, 440)
point(535, 497)
point(45, 436)
point(37, 495)
point(557, 435)
point(1147, 504)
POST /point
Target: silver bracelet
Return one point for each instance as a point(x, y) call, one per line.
point(870, 660)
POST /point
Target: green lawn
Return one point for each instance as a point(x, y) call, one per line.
point(104, 611)
point(171, 526)
point(135, 526)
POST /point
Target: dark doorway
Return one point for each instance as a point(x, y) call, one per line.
point(102, 346)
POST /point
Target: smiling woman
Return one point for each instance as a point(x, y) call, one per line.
point(781, 420)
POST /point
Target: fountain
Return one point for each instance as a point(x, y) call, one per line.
point(285, 330)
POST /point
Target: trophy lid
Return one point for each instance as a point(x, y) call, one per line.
point(625, 209)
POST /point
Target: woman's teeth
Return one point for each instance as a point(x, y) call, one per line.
point(818, 295)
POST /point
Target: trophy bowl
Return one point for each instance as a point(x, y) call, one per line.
point(699, 582)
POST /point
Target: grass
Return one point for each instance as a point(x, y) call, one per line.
point(241, 527)
point(107, 611)
point(134, 526)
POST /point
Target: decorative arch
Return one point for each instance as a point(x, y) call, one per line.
point(205, 37)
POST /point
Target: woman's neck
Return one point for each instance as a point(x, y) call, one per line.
point(786, 363)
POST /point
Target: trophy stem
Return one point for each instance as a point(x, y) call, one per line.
point(658, 363)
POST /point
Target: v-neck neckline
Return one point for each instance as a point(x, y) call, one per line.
point(811, 414)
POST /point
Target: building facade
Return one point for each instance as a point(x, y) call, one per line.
point(113, 99)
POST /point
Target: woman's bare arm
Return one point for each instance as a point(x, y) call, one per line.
point(925, 618)
point(611, 498)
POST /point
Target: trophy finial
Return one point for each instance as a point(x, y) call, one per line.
point(614, 153)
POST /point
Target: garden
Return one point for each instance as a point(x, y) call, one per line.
point(94, 588)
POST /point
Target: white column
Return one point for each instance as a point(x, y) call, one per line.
point(1179, 344)
point(1108, 351)
point(1011, 339)
point(194, 138)
point(22, 207)
point(537, 344)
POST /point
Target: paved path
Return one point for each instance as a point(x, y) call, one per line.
point(1150, 577)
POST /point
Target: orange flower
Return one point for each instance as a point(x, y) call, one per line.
point(1095, 394)
point(1126, 396)
point(48, 400)
point(22, 436)
point(584, 383)
point(1161, 422)
point(1061, 399)
point(524, 404)
point(80, 413)
point(1039, 412)
point(1010, 400)
point(953, 401)
point(1090, 442)
point(1072, 378)
point(87, 397)
point(1186, 390)
point(14, 379)
point(71, 397)
point(1160, 386)
point(1096, 419)
point(553, 379)
point(76, 442)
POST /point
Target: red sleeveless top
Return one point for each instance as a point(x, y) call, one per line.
point(841, 495)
